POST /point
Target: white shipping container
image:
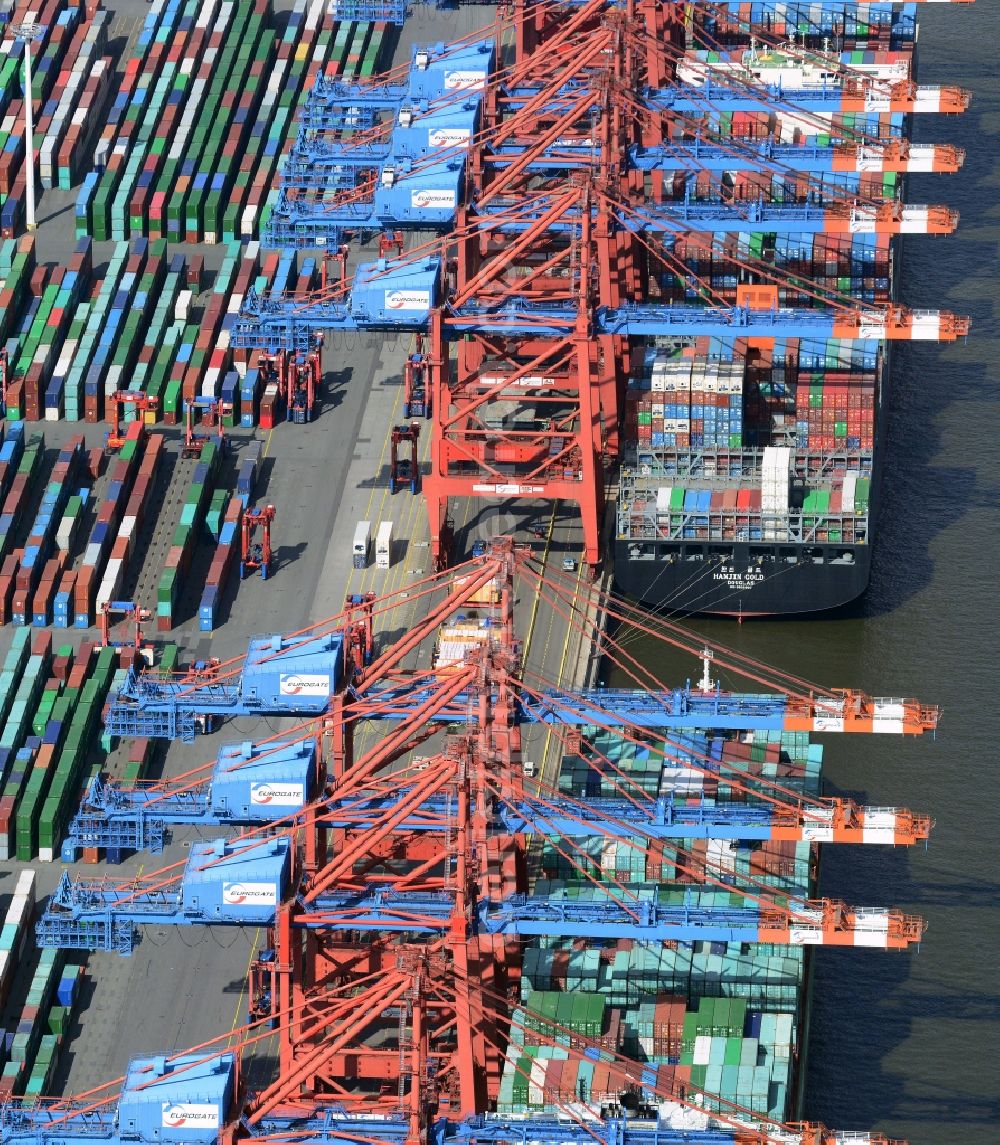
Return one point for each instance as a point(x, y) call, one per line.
point(182, 307)
point(113, 379)
point(24, 888)
point(111, 582)
point(383, 546)
point(129, 531)
point(362, 544)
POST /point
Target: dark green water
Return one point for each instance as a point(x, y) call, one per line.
point(910, 1043)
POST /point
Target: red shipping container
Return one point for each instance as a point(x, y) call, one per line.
point(7, 819)
point(83, 594)
point(195, 272)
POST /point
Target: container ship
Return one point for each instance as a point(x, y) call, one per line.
point(751, 467)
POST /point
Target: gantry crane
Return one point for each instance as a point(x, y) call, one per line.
point(212, 410)
point(388, 242)
point(494, 341)
point(416, 391)
point(404, 463)
point(305, 373)
point(249, 783)
point(440, 953)
point(256, 554)
point(105, 917)
point(138, 400)
point(129, 613)
point(359, 632)
point(297, 374)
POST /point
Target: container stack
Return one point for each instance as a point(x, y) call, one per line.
point(132, 521)
point(178, 562)
point(196, 128)
point(17, 265)
point(226, 554)
point(775, 486)
point(140, 752)
point(82, 90)
point(50, 792)
point(14, 666)
point(34, 1049)
point(139, 324)
point(39, 569)
point(299, 55)
point(110, 538)
point(11, 452)
point(121, 322)
point(16, 502)
point(837, 513)
point(69, 348)
point(716, 404)
point(682, 403)
point(249, 471)
point(16, 929)
point(835, 412)
point(855, 266)
point(356, 52)
point(70, 77)
point(721, 1017)
point(40, 348)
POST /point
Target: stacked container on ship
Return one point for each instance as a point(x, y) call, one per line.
point(751, 466)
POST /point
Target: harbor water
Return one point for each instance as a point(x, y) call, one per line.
point(909, 1043)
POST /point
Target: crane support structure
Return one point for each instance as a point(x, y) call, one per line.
point(256, 554)
point(138, 400)
point(212, 411)
point(659, 132)
point(392, 884)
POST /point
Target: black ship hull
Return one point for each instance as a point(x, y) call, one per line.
point(748, 580)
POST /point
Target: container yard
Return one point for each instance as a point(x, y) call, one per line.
point(368, 372)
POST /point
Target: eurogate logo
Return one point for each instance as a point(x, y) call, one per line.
point(464, 80)
point(442, 200)
point(249, 894)
point(189, 1115)
point(277, 794)
point(407, 299)
point(303, 684)
point(448, 136)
